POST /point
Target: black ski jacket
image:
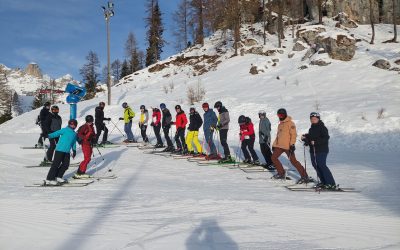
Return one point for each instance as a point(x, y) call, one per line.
point(99, 116)
point(44, 113)
point(320, 135)
point(166, 119)
point(53, 123)
point(195, 121)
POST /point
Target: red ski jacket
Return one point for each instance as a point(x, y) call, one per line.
point(86, 134)
point(156, 117)
point(247, 129)
point(181, 120)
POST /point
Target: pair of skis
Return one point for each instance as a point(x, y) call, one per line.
point(72, 182)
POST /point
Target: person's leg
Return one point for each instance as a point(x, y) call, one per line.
point(325, 172)
point(182, 139)
point(296, 164)
point(143, 132)
point(50, 150)
point(251, 149)
point(177, 141)
point(196, 142)
point(105, 134)
point(52, 174)
point(315, 165)
point(246, 154)
point(167, 138)
point(157, 133)
point(275, 160)
point(210, 143)
point(64, 165)
point(87, 154)
point(99, 128)
point(223, 135)
point(128, 131)
point(189, 140)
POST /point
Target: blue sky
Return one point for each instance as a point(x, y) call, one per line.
point(57, 34)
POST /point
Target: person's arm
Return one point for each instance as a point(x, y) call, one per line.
point(323, 138)
point(292, 133)
point(56, 134)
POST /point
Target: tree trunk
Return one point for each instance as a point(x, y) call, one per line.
point(371, 16)
point(320, 11)
point(263, 19)
point(269, 17)
point(237, 26)
point(280, 23)
point(394, 21)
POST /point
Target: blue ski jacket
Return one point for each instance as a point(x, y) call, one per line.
point(210, 120)
point(67, 139)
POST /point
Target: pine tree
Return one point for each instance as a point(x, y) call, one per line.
point(132, 52)
point(155, 33)
point(181, 22)
point(124, 69)
point(16, 105)
point(198, 20)
point(116, 70)
point(89, 73)
point(5, 97)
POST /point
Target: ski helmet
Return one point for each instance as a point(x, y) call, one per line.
point(315, 114)
point(192, 109)
point(47, 104)
point(89, 118)
point(282, 114)
point(124, 105)
point(163, 106)
point(262, 112)
point(178, 107)
point(142, 107)
point(242, 119)
point(55, 109)
point(205, 106)
point(102, 104)
point(73, 122)
point(218, 104)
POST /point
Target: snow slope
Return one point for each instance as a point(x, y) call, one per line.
point(164, 203)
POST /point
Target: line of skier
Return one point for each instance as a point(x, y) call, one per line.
point(188, 143)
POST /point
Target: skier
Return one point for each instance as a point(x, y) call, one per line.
point(100, 125)
point(247, 137)
point(143, 122)
point(285, 143)
point(317, 138)
point(223, 127)
point(265, 139)
point(128, 116)
point(53, 123)
point(192, 136)
point(210, 123)
point(62, 155)
point(86, 137)
point(166, 126)
point(156, 124)
point(44, 113)
point(180, 123)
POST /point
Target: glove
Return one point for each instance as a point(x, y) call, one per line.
point(219, 126)
point(73, 153)
point(292, 148)
point(121, 119)
point(172, 123)
point(241, 137)
point(152, 124)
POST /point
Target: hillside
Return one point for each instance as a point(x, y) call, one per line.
point(165, 203)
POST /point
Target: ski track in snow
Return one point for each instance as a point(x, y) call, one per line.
point(157, 202)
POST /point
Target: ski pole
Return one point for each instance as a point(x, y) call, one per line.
point(115, 126)
point(315, 161)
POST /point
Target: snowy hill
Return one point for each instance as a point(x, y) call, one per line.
point(164, 203)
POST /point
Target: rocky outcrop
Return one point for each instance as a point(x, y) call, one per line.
point(320, 62)
point(309, 34)
point(299, 46)
point(397, 62)
point(343, 20)
point(253, 70)
point(250, 42)
point(338, 46)
point(382, 64)
point(34, 70)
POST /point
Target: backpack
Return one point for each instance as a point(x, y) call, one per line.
point(81, 133)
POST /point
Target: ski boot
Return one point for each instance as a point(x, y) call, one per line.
point(278, 177)
point(247, 161)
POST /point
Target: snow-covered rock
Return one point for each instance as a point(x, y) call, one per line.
point(382, 64)
point(339, 46)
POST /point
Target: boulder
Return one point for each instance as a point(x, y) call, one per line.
point(319, 62)
point(382, 64)
point(255, 50)
point(253, 70)
point(344, 20)
point(302, 67)
point(397, 62)
point(299, 46)
point(291, 55)
point(250, 42)
point(338, 46)
point(308, 35)
point(395, 69)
